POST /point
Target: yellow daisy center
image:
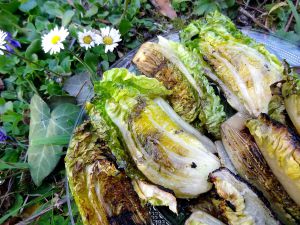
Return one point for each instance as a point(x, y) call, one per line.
point(107, 40)
point(87, 39)
point(55, 39)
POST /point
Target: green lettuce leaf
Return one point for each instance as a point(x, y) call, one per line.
point(276, 109)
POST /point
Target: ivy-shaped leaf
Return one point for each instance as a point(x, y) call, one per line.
point(43, 157)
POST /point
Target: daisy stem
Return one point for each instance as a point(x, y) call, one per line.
point(93, 75)
point(32, 86)
point(126, 3)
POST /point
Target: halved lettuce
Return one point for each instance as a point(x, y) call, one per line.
point(151, 61)
point(148, 193)
point(180, 71)
point(281, 149)
point(252, 166)
point(103, 193)
point(243, 65)
point(166, 149)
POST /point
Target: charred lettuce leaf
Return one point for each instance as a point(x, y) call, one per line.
point(180, 71)
point(251, 165)
point(155, 195)
point(281, 149)
point(153, 63)
point(105, 128)
point(166, 149)
point(104, 195)
point(243, 65)
point(291, 94)
point(237, 202)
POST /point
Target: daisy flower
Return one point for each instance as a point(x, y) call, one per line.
point(87, 39)
point(2, 41)
point(52, 42)
point(110, 38)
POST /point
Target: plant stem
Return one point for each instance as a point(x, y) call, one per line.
point(243, 11)
point(126, 3)
point(32, 86)
point(93, 75)
point(27, 60)
point(292, 15)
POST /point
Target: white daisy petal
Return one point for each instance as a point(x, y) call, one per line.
point(105, 31)
point(98, 39)
point(2, 41)
point(107, 48)
point(52, 42)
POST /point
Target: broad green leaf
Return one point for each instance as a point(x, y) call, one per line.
point(7, 63)
point(92, 11)
point(7, 106)
point(34, 47)
point(12, 154)
point(125, 26)
point(41, 23)
point(91, 60)
point(53, 8)
point(48, 125)
point(8, 21)
point(114, 18)
point(28, 5)
point(10, 6)
point(66, 65)
point(67, 17)
point(31, 33)
point(133, 8)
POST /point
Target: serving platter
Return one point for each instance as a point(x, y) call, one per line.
point(283, 49)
